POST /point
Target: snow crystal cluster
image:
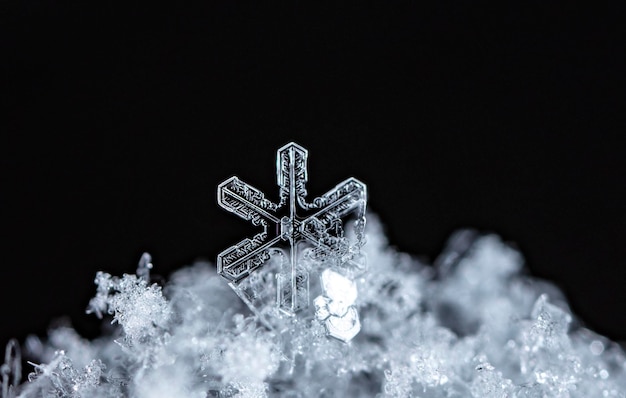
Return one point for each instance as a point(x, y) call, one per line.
point(472, 325)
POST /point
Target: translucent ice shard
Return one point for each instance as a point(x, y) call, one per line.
point(550, 326)
point(489, 383)
point(286, 235)
point(144, 267)
point(11, 369)
point(335, 308)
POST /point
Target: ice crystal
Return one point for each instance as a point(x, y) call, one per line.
point(293, 249)
point(144, 267)
point(11, 369)
point(140, 309)
point(335, 308)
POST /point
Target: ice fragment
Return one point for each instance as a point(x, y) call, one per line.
point(11, 369)
point(144, 267)
point(336, 307)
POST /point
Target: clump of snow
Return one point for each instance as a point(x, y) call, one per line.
point(471, 326)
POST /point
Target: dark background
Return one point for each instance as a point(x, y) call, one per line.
point(118, 122)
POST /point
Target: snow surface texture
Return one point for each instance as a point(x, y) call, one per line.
point(471, 326)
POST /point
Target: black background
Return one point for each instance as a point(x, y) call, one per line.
point(118, 122)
